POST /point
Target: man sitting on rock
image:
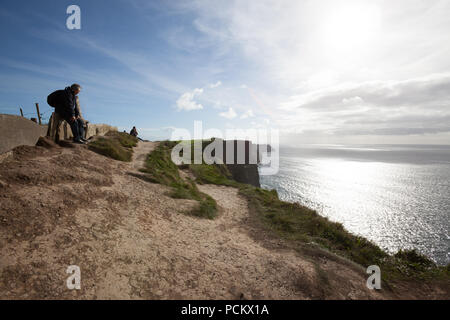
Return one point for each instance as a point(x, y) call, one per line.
point(134, 132)
point(64, 102)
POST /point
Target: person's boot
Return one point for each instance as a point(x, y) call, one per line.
point(79, 141)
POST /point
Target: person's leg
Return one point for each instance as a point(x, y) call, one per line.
point(75, 130)
point(80, 128)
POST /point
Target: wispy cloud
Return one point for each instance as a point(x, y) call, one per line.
point(141, 64)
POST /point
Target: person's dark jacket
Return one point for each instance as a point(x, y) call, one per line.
point(64, 103)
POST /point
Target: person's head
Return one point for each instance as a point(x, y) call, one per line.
point(76, 88)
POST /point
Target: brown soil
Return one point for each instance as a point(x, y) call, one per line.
point(70, 206)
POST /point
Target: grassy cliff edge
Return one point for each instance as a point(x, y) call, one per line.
point(303, 227)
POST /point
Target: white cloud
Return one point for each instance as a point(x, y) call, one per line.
point(247, 114)
point(230, 114)
point(215, 85)
point(408, 108)
point(353, 100)
point(420, 93)
point(186, 101)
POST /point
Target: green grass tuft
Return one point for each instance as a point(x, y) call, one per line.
point(125, 139)
point(160, 169)
point(115, 145)
point(213, 174)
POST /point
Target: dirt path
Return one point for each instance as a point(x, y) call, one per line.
point(132, 241)
point(140, 154)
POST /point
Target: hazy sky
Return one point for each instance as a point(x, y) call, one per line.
point(320, 71)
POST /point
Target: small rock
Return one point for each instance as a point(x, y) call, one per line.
point(6, 156)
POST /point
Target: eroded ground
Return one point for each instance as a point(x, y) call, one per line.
point(70, 206)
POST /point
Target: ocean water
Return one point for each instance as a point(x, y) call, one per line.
point(395, 195)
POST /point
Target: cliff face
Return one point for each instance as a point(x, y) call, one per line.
point(245, 173)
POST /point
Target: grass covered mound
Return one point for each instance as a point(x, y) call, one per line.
point(159, 168)
point(125, 139)
point(115, 145)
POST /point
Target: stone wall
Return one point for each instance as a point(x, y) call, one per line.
point(16, 131)
point(93, 130)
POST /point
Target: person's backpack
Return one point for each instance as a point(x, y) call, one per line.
point(53, 98)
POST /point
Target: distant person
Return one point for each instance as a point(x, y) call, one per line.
point(134, 132)
point(64, 102)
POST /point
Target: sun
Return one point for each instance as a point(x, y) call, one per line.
point(351, 28)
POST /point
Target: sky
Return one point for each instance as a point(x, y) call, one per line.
point(319, 71)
